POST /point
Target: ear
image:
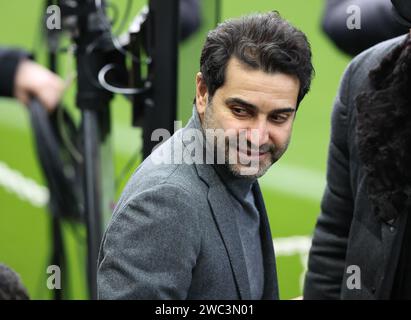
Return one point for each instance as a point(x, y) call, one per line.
point(201, 94)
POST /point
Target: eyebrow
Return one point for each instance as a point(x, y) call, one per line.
point(231, 101)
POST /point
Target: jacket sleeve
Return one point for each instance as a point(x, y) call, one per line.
point(326, 260)
point(150, 248)
point(377, 24)
point(9, 60)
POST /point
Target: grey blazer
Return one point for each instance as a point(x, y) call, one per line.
point(173, 235)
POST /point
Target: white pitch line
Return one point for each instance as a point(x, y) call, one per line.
point(289, 246)
point(24, 188)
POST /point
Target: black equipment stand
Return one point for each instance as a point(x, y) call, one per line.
point(161, 107)
point(153, 108)
point(94, 105)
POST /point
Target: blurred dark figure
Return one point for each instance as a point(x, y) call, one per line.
point(190, 18)
point(361, 247)
point(11, 287)
point(378, 23)
point(21, 78)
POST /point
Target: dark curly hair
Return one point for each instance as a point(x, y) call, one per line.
point(262, 41)
point(384, 133)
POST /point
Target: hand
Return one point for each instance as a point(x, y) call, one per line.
point(33, 79)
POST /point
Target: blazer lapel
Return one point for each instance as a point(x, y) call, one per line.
point(224, 216)
point(270, 270)
point(225, 219)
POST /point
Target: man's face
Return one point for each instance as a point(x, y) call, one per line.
point(254, 105)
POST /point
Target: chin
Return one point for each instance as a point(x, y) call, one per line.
point(244, 171)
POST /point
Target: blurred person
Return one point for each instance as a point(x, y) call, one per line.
point(22, 78)
point(361, 247)
point(378, 23)
point(11, 287)
point(198, 229)
point(190, 18)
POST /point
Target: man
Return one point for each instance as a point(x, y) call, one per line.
point(22, 78)
point(198, 229)
point(361, 246)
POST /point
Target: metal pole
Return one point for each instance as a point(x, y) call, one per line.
point(161, 107)
point(92, 194)
point(93, 102)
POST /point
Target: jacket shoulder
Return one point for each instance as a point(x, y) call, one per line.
point(356, 75)
point(154, 172)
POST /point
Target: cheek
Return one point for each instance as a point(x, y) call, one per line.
point(281, 136)
point(229, 123)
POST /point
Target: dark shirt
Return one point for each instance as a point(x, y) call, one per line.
point(248, 222)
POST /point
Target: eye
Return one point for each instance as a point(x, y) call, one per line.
point(239, 111)
point(279, 118)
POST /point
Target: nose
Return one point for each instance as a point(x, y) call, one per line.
point(258, 135)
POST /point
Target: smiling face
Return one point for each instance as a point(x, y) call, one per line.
point(252, 104)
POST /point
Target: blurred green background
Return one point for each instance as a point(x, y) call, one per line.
point(292, 189)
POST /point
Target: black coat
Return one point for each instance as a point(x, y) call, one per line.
point(356, 226)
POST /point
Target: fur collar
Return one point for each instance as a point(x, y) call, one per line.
point(384, 133)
